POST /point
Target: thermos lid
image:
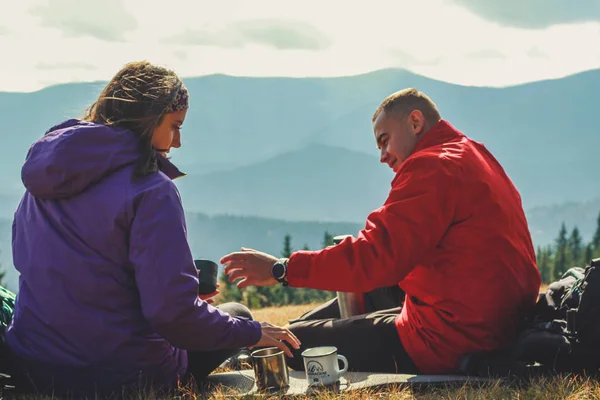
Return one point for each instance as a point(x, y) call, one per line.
point(338, 239)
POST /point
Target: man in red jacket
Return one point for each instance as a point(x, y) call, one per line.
point(452, 233)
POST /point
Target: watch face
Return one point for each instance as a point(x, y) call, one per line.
point(278, 270)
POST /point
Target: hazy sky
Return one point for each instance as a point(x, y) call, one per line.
point(472, 42)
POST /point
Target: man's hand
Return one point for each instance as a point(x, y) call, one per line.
point(253, 267)
point(275, 336)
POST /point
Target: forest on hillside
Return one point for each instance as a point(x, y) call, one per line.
point(568, 250)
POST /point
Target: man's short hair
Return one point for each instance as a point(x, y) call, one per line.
point(406, 101)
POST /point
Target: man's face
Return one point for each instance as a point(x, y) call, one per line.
point(396, 136)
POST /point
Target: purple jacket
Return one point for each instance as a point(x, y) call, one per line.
point(107, 276)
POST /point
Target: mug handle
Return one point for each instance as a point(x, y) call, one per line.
point(345, 362)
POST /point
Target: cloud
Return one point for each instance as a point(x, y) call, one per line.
point(278, 34)
point(65, 65)
point(105, 20)
point(405, 58)
point(180, 55)
point(536, 52)
point(245, 38)
point(534, 14)
point(486, 54)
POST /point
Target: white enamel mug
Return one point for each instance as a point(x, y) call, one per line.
point(322, 367)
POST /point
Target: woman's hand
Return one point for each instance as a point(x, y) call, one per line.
point(209, 297)
point(276, 336)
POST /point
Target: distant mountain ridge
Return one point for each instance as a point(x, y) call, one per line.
point(544, 222)
point(302, 149)
point(316, 183)
point(544, 133)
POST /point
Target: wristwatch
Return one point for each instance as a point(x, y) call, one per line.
point(279, 271)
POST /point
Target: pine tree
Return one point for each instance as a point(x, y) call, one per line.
point(287, 247)
point(575, 245)
point(560, 261)
point(549, 259)
point(596, 239)
point(589, 253)
point(561, 240)
point(327, 239)
point(2, 276)
point(544, 263)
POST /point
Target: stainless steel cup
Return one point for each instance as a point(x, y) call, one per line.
point(350, 303)
point(270, 369)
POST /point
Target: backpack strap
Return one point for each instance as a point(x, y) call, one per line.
point(586, 317)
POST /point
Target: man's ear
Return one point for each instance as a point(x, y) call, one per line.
point(416, 122)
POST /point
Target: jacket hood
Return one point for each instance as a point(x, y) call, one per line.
point(75, 154)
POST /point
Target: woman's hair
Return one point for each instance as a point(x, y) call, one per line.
point(136, 98)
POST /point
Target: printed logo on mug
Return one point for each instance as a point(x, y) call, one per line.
point(322, 366)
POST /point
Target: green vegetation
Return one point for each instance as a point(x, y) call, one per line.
point(278, 295)
point(568, 251)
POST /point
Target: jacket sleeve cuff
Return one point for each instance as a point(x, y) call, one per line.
point(298, 268)
point(254, 332)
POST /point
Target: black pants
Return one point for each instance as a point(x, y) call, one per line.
point(377, 300)
point(370, 341)
point(202, 363)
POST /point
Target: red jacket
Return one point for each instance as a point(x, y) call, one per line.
point(454, 235)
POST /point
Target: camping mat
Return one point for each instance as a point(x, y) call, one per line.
point(242, 382)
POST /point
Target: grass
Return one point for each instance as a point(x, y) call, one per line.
point(567, 387)
point(564, 388)
point(280, 315)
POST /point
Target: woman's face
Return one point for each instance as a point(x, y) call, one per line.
point(168, 133)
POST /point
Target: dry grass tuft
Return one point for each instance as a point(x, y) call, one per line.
point(281, 315)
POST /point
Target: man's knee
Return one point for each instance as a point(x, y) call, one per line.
point(236, 310)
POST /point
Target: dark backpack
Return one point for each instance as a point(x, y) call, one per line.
point(562, 334)
point(7, 307)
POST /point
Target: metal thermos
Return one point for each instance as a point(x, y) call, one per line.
point(350, 303)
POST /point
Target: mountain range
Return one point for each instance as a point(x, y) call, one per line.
point(544, 133)
point(300, 150)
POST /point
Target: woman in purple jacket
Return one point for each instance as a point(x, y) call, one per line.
point(108, 289)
